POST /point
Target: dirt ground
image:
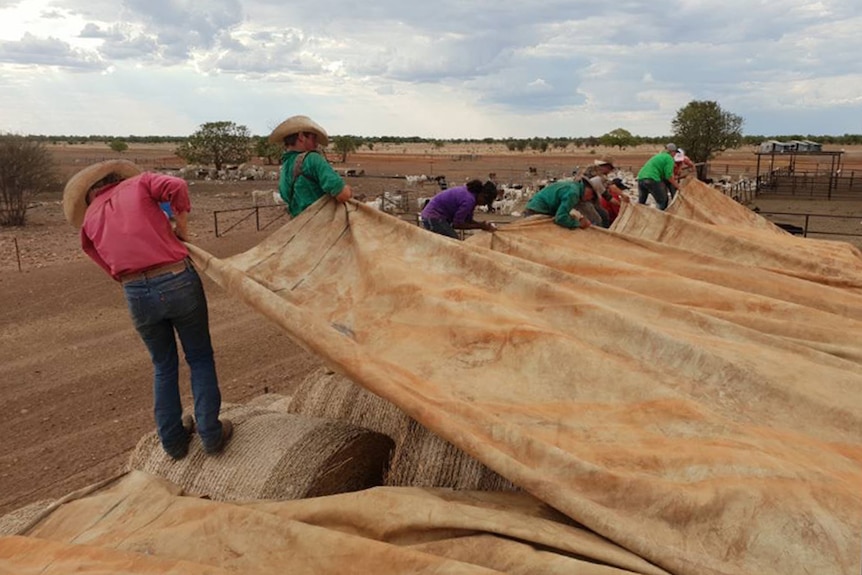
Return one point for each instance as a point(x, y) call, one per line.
point(75, 380)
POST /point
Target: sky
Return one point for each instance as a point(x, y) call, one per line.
point(444, 69)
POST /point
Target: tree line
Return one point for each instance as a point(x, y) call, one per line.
point(523, 144)
point(702, 128)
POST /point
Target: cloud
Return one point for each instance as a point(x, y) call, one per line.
point(181, 26)
point(509, 67)
point(47, 52)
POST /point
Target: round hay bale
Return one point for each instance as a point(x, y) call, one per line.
point(271, 401)
point(330, 395)
point(420, 459)
point(275, 456)
point(17, 521)
point(423, 459)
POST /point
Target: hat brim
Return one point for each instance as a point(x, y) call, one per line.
point(595, 183)
point(75, 192)
point(295, 125)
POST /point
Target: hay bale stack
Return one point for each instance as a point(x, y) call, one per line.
point(275, 456)
point(423, 459)
point(271, 401)
point(18, 521)
point(420, 458)
point(330, 395)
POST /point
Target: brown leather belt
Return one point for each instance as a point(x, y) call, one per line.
point(173, 268)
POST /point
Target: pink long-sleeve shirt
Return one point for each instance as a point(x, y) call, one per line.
point(125, 230)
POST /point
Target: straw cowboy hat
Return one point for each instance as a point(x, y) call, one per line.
point(604, 161)
point(75, 193)
point(296, 124)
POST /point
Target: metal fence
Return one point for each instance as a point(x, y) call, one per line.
point(807, 224)
point(252, 211)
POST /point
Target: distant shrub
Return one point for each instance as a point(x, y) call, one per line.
point(26, 169)
point(118, 146)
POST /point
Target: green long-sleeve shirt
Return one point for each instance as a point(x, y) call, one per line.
point(317, 180)
point(557, 200)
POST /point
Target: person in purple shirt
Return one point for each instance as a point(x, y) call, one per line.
point(452, 209)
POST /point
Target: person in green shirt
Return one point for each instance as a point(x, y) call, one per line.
point(305, 175)
point(564, 200)
point(656, 175)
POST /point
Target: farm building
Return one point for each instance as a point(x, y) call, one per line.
point(776, 147)
point(678, 395)
point(802, 169)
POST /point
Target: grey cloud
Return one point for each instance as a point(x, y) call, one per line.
point(260, 63)
point(767, 122)
point(535, 85)
point(91, 30)
point(182, 26)
point(129, 48)
point(46, 52)
point(271, 53)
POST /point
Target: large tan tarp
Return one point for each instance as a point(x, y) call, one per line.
point(143, 524)
point(687, 385)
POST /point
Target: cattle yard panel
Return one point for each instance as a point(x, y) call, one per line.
point(808, 175)
point(252, 211)
point(806, 225)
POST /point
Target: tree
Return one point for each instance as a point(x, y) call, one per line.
point(539, 145)
point(702, 128)
point(344, 145)
point(267, 150)
point(118, 146)
point(26, 168)
point(620, 138)
point(217, 143)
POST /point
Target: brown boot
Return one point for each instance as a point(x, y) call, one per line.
point(226, 433)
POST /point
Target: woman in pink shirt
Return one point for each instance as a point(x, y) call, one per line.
point(125, 231)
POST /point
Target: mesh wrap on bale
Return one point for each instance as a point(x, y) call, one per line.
point(420, 459)
point(275, 456)
point(423, 459)
point(17, 521)
point(271, 401)
point(330, 395)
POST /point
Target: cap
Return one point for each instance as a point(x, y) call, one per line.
point(618, 182)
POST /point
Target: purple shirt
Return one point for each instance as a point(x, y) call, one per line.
point(454, 205)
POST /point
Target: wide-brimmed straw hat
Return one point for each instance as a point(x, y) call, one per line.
point(295, 125)
point(604, 161)
point(75, 193)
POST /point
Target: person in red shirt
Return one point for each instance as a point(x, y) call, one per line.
point(612, 206)
point(681, 162)
point(124, 230)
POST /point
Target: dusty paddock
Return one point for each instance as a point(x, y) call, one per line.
point(75, 381)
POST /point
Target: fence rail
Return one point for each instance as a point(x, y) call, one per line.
point(852, 228)
point(252, 211)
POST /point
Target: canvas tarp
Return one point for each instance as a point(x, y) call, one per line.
point(686, 386)
point(143, 524)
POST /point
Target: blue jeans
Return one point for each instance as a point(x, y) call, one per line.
point(159, 307)
point(441, 227)
point(657, 189)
